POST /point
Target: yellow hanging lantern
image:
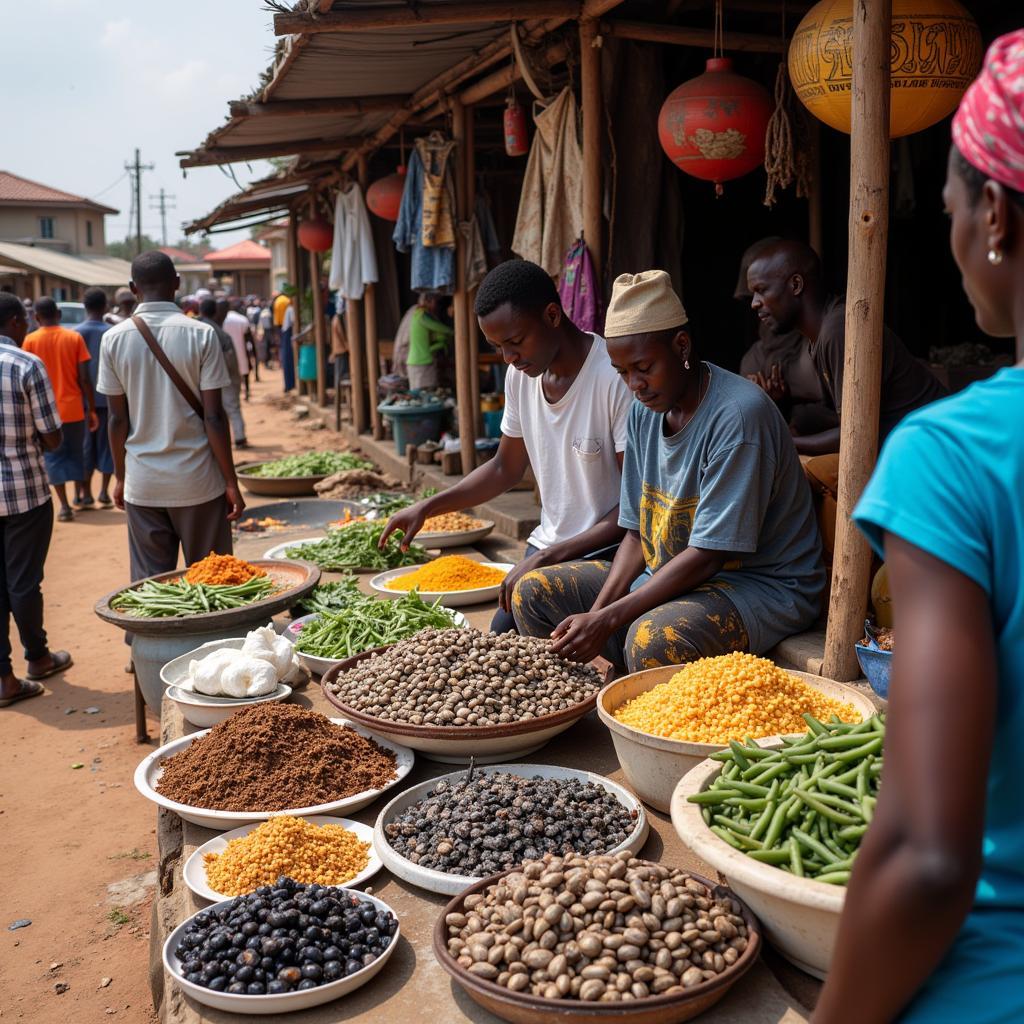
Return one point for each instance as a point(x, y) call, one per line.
point(935, 54)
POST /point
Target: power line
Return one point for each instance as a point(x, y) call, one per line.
point(163, 205)
point(109, 187)
point(135, 170)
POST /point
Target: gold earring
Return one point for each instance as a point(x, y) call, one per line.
point(995, 257)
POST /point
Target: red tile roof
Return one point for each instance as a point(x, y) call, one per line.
point(239, 252)
point(20, 191)
point(179, 255)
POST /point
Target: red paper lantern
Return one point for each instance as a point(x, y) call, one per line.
point(713, 126)
point(316, 235)
point(384, 196)
point(517, 141)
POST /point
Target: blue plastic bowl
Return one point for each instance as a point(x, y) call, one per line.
point(876, 665)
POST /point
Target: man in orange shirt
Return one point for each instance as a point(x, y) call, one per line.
point(64, 355)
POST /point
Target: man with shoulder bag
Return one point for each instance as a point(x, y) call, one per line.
point(162, 373)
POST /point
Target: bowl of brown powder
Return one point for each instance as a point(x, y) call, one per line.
point(271, 759)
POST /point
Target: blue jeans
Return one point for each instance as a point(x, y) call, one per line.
point(287, 355)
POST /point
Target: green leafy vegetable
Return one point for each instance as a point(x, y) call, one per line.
point(355, 547)
point(332, 597)
point(310, 464)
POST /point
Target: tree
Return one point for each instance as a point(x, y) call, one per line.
point(126, 250)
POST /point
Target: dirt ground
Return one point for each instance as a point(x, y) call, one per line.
point(79, 849)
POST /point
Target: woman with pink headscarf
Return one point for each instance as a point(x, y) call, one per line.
point(933, 926)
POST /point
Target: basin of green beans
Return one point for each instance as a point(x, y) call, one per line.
point(153, 600)
point(310, 464)
point(367, 622)
point(804, 807)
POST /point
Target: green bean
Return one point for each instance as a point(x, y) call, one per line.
point(310, 464)
point(796, 864)
point(738, 756)
point(776, 857)
point(812, 844)
point(713, 796)
point(727, 836)
point(871, 747)
point(833, 877)
point(815, 803)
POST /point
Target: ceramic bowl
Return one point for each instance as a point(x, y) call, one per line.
point(194, 871)
point(457, 539)
point(524, 1008)
point(147, 775)
point(287, 1002)
point(449, 884)
point(205, 712)
point(451, 599)
point(653, 765)
point(800, 916)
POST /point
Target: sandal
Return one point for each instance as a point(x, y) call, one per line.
point(28, 689)
point(65, 515)
point(61, 662)
point(105, 501)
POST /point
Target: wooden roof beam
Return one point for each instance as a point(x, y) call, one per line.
point(369, 19)
point(680, 35)
point(212, 156)
point(308, 108)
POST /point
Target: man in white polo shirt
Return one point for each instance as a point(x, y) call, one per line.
point(565, 415)
point(175, 476)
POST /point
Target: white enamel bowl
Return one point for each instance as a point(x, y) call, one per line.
point(452, 885)
point(451, 599)
point(194, 871)
point(147, 775)
point(287, 1002)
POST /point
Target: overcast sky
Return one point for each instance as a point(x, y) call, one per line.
point(86, 81)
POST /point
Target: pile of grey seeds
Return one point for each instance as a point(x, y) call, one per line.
point(462, 677)
point(497, 820)
point(597, 929)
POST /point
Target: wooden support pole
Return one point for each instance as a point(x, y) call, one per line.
point(319, 329)
point(463, 360)
point(354, 328)
point(865, 307)
point(469, 155)
point(293, 280)
point(593, 122)
point(372, 350)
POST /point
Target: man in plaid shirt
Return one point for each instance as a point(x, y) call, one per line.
point(28, 423)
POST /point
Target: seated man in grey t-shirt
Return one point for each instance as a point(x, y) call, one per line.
point(722, 550)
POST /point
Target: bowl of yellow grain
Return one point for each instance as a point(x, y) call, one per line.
point(454, 579)
point(666, 720)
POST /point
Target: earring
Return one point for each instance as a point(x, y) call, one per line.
point(995, 257)
point(686, 364)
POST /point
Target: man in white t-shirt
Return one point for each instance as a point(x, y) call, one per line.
point(565, 415)
point(240, 331)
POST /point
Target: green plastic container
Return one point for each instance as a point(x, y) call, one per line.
point(414, 425)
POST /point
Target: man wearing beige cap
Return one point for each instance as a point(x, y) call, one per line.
point(722, 551)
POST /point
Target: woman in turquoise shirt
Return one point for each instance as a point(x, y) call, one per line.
point(933, 929)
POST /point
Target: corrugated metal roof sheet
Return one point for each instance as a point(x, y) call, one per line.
point(100, 271)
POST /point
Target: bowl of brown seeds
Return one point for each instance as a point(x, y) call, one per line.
point(594, 940)
point(456, 694)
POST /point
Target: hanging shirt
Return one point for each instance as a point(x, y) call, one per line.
point(353, 256)
point(433, 266)
point(550, 217)
point(426, 336)
point(949, 482)
point(572, 443)
point(729, 481)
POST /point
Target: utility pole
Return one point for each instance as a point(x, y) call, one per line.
point(135, 170)
point(162, 204)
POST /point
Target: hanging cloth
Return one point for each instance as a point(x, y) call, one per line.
point(432, 267)
point(353, 256)
point(578, 290)
point(550, 217)
point(438, 192)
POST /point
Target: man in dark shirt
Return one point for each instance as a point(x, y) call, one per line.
point(98, 456)
point(787, 292)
